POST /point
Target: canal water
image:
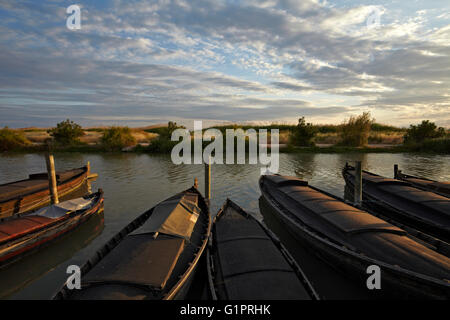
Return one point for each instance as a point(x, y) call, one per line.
point(133, 183)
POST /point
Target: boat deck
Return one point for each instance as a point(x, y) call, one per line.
point(23, 225)
point(35, 183)
point(424, 206)
point(252, 267)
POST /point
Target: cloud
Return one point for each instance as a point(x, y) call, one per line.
point(223, 60)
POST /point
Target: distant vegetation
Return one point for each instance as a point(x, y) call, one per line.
point(303, 134)
point(117, 138)
point(427, 137)
point(67, 133)
point(423, 131)
point(355, 132)
point(439, 145)
point(163, 143)
point(330, 134)
point(12, 139)
point(358, 133)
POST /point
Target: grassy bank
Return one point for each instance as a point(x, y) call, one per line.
point(430, 147)
point(156, 139)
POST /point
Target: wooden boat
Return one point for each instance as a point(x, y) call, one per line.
point(21, 234)
point(154, 257)
point(351, 240)
point(34, 266)
point(246, 261)
point(399, 200)
point(26, 195)
point(442, 188)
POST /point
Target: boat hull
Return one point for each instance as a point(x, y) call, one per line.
point(389, 210)
point(26, 244)
point(396, 282)
point(40, 198)
point(442, 188)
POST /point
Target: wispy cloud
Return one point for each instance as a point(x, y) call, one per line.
point(150, 61)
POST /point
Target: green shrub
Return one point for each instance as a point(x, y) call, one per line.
point(303, 134)
point(117, 138)
point(431, 145)
point(66, 133)
point(11, 139)
point(355, 132)
point(423, 131)
point(163, 143)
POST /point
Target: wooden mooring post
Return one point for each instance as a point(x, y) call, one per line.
point(195, 183)
point(52, 185)
point(208, 180)
point(395, 171)
point(358, 184)
point(89, 174)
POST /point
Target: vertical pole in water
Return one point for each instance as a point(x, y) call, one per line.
point(195, 183)
point(395, 171)
point(358, 183)
point(208, 180)
point(88, 168)
point(52, 178)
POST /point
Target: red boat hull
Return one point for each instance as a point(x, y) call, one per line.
point(26, 240)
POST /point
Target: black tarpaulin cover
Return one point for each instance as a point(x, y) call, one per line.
point(176, 217)
point(139, 259)
point(252, 266)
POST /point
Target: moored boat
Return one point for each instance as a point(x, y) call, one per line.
point(246, 261)
point(25, 195)
point(17, 276)
point(439, 187)
point(399, 200)
point(351, 240)
point(24, 233)
point(154, 257)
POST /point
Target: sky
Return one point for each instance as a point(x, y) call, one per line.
point(139, 63)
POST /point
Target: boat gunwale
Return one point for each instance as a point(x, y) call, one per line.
point(309, 288)
point(185, 276)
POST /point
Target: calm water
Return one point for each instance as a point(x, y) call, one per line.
point(134, 183)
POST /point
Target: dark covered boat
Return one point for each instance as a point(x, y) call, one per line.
point(439, 187)
point(246, 261)
point(21, 234)
point(26, 195)
point(352, 240)
point(399, 200)
point(154, 257)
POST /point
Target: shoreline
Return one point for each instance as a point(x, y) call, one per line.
point(283, 149)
